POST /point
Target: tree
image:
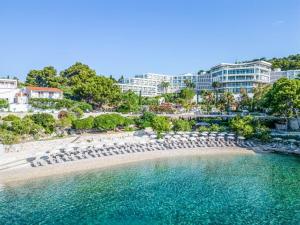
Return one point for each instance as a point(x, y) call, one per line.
point(283, 98)
point(129, 102)
point(228, 100)
point(121, 79)
point(216, 85)
point(187, 94)
point(244, 100)
point(96, 90)
point(189, 84)
point(258, 97)
point(160, 124)
point(208, 100)
point(47, 77)
point(164, 85)
point(242, 126)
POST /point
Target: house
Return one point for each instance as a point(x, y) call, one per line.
point(44, 92)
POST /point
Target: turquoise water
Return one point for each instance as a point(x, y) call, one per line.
point(260, 189)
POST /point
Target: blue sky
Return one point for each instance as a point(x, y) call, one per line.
point(136, 36)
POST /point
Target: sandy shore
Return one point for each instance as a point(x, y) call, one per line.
point(26, 173)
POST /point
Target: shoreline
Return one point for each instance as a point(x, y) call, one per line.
point(26, 174)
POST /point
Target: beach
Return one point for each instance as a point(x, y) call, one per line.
point(28, 173)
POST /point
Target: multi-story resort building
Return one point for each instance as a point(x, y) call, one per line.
point(237, 76)
point(277, 73)
point(204, 81)
point(149, 84)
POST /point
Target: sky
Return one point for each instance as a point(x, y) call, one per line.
point(128, 37)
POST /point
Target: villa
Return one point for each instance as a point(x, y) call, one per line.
point(18, 98)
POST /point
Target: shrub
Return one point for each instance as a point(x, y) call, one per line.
point(11, 118)
point(203, 129)
point(181, 125)
point(8, 137)
point(145, 120)
point(243, 126)
point(45, 120)
point(44, 103)
point(3, 104)
point(161, 124)
point(78, 112)
point(108, 121)
point(262, 132)
point(84, 124)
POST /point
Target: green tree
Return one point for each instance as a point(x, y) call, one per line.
point(242, 126)
point(187, 94)
point(208, 100)
point(189, 84)
point(96, 90)
point(216, 85)
point(244, 100)
point(164, 85)
point(160, 124)
point(47, 77)
point(227, 99)
point(129, 102)
point(283, 98)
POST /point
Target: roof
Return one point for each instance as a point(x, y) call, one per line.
point(46, 89)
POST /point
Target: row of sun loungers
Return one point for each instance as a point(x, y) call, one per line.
point(171, 143)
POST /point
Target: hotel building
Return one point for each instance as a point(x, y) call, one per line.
point(148, 85)
point(237, 76)
point(277, 73)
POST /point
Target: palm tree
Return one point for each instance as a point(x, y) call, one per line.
point(216, 85)
point(189, 83)
point(165, 86)
point(228, 100)
point(208, 98)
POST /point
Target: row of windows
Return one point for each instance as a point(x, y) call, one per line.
point(238, 90)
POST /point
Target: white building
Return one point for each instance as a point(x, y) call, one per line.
point(277, 73)
point(237, 76)
point(204, 82)
point(18, 97)
point(44, 92)
point(8, 89)
point(148, 85)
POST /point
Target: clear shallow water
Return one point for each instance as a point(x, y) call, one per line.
point(262, 189)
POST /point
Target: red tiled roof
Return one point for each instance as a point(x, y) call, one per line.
point(44, 89)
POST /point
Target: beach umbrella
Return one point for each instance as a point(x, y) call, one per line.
point(204, 133)
point(231, 134)
point(176, 136)
point(185, 135)
point(241, 138)
point(203, 138)
point(231, 137)
point(193, 138)
point(195, 135)
point(168, 136)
